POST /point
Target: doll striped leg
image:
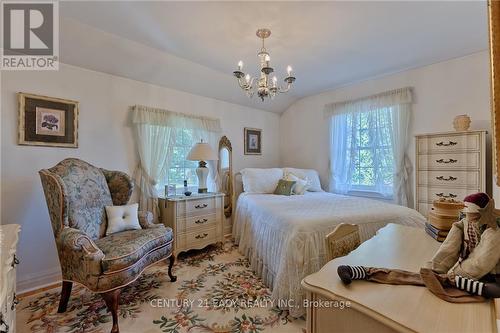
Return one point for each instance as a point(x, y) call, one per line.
point(349, 273)
point(485, 289)
point(381, 275)
point(469, 285)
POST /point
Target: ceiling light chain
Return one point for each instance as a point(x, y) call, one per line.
point(263, 86)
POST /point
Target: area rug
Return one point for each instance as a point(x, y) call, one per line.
point(215, 292)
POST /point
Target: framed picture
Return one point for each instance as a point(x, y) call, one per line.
point(253, 141)
point(47, 121)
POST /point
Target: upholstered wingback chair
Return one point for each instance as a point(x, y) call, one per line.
point(76, 194)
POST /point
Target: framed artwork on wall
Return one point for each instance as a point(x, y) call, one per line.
point(253, 141)
point(47, 121)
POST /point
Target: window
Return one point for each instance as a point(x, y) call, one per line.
point(181, 169)
point(371, 145)
point(368, 146)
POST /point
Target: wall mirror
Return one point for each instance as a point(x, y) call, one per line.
point(494, 20)
point(225, 168)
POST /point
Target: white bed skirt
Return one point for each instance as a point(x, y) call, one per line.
point(282, 254)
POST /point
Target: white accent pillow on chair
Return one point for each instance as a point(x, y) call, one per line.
point(121, 218)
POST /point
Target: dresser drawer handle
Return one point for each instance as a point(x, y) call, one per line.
point(15, 302)
point(201, 236)
point(4, 328)
point(450, 178)
point(442, 195)
point(201, 221)
point(442, 144)
point(15, 261)
point(201, 206)
point(446, 161)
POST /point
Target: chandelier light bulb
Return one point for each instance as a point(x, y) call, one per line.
point(240, 65)
point(267, 58)
point(275, 80)
point(247, 78)
point(289, 70)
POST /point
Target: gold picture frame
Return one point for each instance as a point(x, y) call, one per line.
point(47, 121)
point(494, 28)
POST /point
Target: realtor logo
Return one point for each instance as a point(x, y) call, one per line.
point(30, 35)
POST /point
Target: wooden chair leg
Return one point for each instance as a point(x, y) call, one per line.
point(173, 278)
point(112, 299)
point(65, 294)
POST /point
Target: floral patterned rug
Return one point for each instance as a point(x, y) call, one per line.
point(215, 292)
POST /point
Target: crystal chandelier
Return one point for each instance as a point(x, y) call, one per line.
point(262, 85)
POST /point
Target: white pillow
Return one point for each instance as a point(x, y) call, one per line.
point(301, 185)
point(121, 218)
point(307, 174)
point(261, 180)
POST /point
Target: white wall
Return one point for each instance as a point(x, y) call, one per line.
point(441, 91)
point(105, 140)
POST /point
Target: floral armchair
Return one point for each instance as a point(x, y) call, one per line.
point(76, 194)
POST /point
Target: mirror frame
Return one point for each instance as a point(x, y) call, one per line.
point(228, 200)
point(494, 32)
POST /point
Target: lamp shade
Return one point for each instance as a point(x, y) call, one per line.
point(202, 152)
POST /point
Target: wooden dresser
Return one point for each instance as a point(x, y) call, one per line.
point(9, 236)
point(449, 165)
point(197, 220)
point(365, 306)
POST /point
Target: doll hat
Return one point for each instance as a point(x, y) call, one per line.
point(476, 201)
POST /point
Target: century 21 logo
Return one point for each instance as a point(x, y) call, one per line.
point(28, 29)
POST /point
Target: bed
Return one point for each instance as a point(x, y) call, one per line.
point(284, 236)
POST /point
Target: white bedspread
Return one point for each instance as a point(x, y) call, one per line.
point(284, 237)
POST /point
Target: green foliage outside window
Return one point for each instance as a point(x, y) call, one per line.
point(372, 148)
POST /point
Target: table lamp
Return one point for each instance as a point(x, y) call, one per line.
point(202, 152)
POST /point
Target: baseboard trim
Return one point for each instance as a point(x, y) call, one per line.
point(40, 280)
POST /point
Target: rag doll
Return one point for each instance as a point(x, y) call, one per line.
point(466, 268)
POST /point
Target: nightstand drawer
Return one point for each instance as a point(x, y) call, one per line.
point(196, 207)
point(197, 238)
point(197, 222)
point(201, 235)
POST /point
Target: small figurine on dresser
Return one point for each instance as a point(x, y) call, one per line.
point(466, 268)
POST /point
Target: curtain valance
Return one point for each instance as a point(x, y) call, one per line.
point(386, 99)
point(160, 117)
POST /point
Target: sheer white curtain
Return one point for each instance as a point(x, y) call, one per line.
point(153, 129)
point(378, 126)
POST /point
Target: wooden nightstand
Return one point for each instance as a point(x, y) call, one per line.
point(197, 220)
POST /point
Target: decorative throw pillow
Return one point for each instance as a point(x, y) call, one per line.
point(301, 185)
point(310, 174)
point(256, 180)
point(121, 218)
point(284, 187)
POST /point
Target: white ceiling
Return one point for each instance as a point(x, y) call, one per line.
point(195, 46)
